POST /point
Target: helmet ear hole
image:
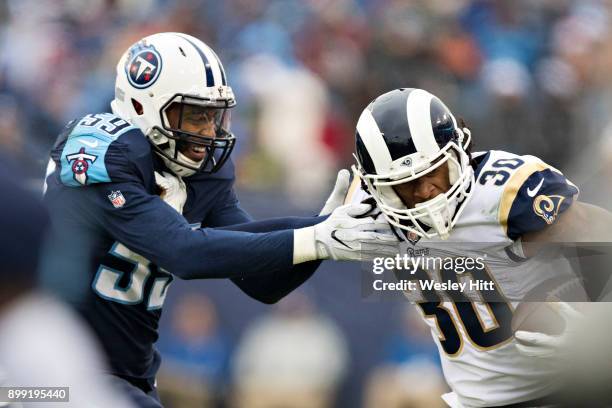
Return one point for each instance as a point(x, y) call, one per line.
point(137, 107)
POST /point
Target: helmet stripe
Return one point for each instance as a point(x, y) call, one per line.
point(389, 112)
point(363, 156)
point(214, 64)
point(210, 81)
point(374, 142)
point(223, 81)
point(419, 121)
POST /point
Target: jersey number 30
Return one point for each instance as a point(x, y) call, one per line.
point(468, 317)
point(498, 175)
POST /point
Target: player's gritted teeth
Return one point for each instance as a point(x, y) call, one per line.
point(194, 152)
point(196, 121)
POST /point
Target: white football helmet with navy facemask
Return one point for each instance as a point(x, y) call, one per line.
point(166, 69)
point(403, 135)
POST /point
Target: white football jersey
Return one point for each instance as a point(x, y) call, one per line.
point(512, 195)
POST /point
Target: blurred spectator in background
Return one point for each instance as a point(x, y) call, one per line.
point(292, 358)
point(594, 171)
point(529, 76)
point(195, 354)
point(10, 131)
point(410, 374)
point(42, 342)
point(290, 128)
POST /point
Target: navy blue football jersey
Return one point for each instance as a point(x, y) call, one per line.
point(120, 245)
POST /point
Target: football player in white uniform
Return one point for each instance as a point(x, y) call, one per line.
point(413, 159)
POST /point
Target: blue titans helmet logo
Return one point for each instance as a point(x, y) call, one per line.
point(143, 65)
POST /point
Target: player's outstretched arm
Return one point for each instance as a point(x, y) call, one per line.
point(151, 228)
point(273, 287)
point(228, 214)
point(347, 234)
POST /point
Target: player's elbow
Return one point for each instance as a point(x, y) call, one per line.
point(257, 289)
point(272, 297)
point(268, 300)
point(264, 296)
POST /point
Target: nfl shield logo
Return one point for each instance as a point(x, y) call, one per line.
point(117, 199)
point(412, 237)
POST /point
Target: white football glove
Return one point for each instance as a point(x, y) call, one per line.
point(554, 348)
point(174, 191)
point(338, 194)
point(346, 235)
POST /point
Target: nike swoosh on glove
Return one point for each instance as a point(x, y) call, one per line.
point(348, 234)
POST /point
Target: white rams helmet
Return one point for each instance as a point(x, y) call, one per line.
point(401, 136)
point(165, 69)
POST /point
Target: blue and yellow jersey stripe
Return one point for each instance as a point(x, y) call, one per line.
point(533, 197)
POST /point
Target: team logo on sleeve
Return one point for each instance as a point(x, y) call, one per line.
point(117, 199)
point(547, 207)
point(80, 164)
point(143, 65)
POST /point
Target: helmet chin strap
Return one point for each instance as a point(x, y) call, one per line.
point(453, 168)
point(179, 170)
point(439, 220)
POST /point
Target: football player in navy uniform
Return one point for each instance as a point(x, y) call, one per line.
point(145, 194)
point(414, 161)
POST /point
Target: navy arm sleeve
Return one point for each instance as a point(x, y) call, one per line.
point(228, 214)
point(537, 202)
point(274, 286)
point(275, 224)
point(151, 228)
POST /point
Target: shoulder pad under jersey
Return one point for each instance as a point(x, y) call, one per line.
point(101, 148)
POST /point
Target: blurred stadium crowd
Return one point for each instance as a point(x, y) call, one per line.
point(529, 76)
